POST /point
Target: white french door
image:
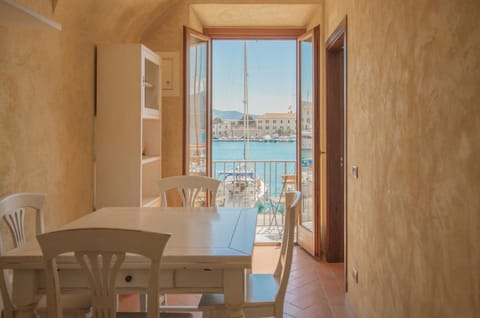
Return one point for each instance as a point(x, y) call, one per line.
point(308, 140)
point(197, 103)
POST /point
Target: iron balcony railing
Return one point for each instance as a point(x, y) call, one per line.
point(256, 183)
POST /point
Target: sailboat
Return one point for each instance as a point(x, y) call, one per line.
point(240, 186)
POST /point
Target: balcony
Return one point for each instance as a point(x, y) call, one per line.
point(257, 183)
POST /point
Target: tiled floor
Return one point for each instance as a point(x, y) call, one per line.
point(315, 288)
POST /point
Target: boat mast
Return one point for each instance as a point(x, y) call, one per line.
point(246, 132)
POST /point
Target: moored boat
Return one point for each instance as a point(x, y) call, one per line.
point(240, 188)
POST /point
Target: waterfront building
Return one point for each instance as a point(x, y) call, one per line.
point(276, 124)
point(222, 129)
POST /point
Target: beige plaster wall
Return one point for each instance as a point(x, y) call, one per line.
point(47, 100)
point(46, 119)
point(414, 132)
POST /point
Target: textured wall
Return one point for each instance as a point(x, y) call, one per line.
point(46, 120)
point(414, 132)
point(47, 100)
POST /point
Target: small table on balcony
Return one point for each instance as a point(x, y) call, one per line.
point(209, 252)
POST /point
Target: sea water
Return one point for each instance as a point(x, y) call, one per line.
point(233, 150)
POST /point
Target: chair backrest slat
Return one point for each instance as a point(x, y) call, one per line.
point(12, 210)
point(188, 188)
point(100, 253)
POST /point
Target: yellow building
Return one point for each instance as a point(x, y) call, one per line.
point(276, 123)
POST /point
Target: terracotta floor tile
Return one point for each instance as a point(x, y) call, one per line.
point(291, 310)
point(310, 288)
point(317, 311)
point(305, 301)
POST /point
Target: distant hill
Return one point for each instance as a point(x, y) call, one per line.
point(228, 114)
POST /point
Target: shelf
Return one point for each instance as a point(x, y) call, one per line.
point(149, 159)
point(151, 201)
point(14, 14)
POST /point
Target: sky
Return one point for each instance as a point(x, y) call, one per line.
point(271, 75)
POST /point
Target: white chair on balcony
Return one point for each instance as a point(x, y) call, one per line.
point(100, 253)
point(265, 293)
point(190, 189)
point(12, 211)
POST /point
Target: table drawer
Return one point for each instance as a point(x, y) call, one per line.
point(192, 278)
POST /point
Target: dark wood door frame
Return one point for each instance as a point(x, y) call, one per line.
point(336, 95)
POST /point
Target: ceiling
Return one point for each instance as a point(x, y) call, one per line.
point(257, 15)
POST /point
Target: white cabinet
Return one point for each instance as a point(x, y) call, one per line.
point(127, 126)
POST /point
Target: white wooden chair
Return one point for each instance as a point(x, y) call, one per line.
point(265, 293)
point(189, 188)
point(12, 210)
point(100, 253)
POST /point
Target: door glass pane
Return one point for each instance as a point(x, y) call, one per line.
point(197, 107)
point(306, 122)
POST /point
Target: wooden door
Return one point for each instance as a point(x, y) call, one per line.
point(308, 137)
point(197, 103)
point(336, 145)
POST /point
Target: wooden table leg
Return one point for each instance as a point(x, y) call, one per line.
point(234, 290)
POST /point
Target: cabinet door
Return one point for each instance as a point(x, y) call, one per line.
point(151, 77)
point(151, 127)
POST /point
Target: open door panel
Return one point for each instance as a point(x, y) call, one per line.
point(197, 103)
point(308, 136)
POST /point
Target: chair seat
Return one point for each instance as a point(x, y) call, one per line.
point(262, 289)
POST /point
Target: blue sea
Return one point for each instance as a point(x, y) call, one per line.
point(233, 150)
point(269, 171)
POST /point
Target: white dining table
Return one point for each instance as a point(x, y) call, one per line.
point(209, 252)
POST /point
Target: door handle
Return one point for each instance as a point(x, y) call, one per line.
point(341, 161)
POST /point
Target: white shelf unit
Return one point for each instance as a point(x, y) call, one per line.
point(127, 126)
